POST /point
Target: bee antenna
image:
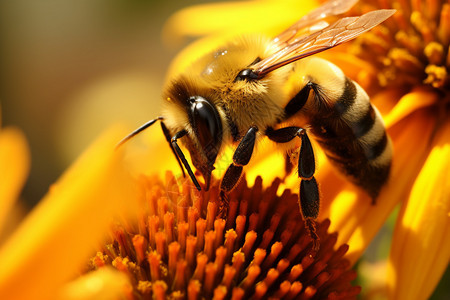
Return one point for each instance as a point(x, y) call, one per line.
point(138, 130)
point(147, 125)
point(178, 135)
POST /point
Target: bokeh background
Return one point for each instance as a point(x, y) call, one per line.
point(70, 69)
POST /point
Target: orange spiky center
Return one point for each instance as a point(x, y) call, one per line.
point(412, 47)
point(177, 248)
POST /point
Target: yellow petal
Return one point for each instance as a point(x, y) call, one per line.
point(59, 234)
point(103, 284)
point(411, 102)
point(421, 245)
point(14, 167)
point(234, 17)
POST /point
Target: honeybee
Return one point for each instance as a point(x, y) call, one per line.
point(253, 86)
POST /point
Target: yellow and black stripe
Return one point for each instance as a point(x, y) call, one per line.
point(352, 133)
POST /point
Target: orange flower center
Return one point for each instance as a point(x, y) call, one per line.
point(412, 47)
point(178, 248)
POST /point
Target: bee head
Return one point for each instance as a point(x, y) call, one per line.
point(207, 128)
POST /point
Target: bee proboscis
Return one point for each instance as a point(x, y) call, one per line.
point(255, 87)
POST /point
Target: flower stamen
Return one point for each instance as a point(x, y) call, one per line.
point(264, 250)
point(413, 50)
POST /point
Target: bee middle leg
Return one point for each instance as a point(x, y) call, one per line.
point(309, 199)
point(241, 157)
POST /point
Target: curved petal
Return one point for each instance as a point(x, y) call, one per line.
point(419, 98)
point(59, 234)
point(103, 284)
point(421, 246)
point(14, 168)
point(234, 17)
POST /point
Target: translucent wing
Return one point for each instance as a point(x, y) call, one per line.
point(312, 21)
point(335, 34)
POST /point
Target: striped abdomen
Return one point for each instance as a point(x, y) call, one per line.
point(352, 134)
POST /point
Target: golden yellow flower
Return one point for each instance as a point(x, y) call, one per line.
point(404, 64)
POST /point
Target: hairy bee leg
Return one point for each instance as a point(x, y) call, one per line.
point(174, 143)
point(241, 157)
point(309, 199)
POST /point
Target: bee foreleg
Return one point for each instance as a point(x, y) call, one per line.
point(180, 154)
point(168, 138)
point(309, 199)
point(241, 157)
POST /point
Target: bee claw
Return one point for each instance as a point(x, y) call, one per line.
point(311, 227)
point(223, 205)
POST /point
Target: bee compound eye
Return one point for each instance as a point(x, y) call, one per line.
point(246, 74)
point(207, 125)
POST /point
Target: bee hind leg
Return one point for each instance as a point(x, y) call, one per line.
point(309, 200)
point(241, 157)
